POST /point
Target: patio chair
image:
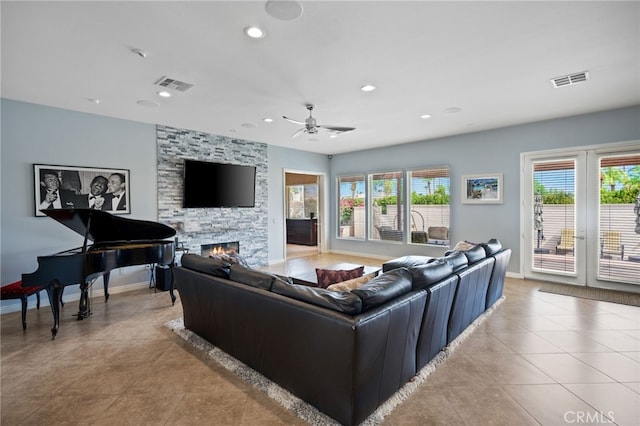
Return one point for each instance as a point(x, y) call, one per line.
point(567, 241)
point(612, 244)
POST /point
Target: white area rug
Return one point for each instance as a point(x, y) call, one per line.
point(306, 411)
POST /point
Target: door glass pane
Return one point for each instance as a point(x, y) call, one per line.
point(619, 223)
point(553, 204)
point(429, 214)
point(387, 206)
point(351, 206)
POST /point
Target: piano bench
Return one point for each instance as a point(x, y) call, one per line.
point(16, 291)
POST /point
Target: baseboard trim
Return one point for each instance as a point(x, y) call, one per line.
point(98, 292)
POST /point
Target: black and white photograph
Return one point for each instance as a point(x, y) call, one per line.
point(70, 187)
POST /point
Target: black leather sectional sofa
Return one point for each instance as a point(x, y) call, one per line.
point(345, 353)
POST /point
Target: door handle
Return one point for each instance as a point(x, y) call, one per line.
point(579, 238)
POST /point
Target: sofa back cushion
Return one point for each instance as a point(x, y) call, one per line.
point(475, 254)
point(339, 301)
point(326, 277)
point(425, 275)
point(384, 287)
point(251, 277)
point(405, 262)
point(457, 260)
point(207, 265)
point(492, 246)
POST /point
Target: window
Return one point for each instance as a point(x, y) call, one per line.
point(387, 206)
point(351, 206)
point(302, 201)
point(554, 189)
point(619, 223)
point(429, 206)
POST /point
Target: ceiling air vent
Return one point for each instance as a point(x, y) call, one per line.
point(171, 83)
point(568, 80)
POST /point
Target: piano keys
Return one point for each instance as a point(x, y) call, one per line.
point(117, 242)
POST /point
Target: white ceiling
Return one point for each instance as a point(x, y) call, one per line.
point(493, 60)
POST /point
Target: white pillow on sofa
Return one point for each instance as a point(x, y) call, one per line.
point(350, 284)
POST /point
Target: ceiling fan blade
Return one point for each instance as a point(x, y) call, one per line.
point(337, 128)
point(293, 121)
point(298, 132)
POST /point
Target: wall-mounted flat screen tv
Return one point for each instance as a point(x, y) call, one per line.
point(209, 184)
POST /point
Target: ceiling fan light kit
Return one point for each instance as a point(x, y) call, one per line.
point(311, 126)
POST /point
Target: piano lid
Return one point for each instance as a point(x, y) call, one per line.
point(105, 227)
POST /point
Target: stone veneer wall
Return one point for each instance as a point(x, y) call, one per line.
point(212, 225)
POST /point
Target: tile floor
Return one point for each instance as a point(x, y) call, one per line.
point(540, 359)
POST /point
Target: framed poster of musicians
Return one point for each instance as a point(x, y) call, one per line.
point(70, 187)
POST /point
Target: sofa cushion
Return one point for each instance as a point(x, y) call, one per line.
point(251, 277)
point(384, 287)
point(342, 301)
point(457, 260)
point(475, 254)
point(492, 246)
point(425, 275)
point(350, 284)
point(405, 262)
point(207, 265)
point(326, 277)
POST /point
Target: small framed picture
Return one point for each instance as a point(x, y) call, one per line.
point(482, 189)
point(71, 187)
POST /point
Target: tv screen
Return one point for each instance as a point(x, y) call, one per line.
point(218, 185)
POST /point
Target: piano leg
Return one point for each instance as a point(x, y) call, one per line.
point(54, 291)
point(172, 285)
point(105, 279)
point(84, 308)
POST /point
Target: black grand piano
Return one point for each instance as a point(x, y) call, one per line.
point(117, 242)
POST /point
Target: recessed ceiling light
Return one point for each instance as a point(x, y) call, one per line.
point(254, 32)
point(368, 88)
point(248, 125)
point(164, 94)
point(333, 136)
point(94, 101)
point(268, 120)
point(425, 116)
point(452, 110)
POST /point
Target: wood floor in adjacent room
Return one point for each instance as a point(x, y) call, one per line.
point(540, 359)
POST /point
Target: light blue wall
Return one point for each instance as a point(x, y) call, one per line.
point(38, 134)
point(495, 151)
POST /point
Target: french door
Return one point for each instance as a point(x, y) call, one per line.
point(581, 216)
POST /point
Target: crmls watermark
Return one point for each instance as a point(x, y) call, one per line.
point(590, 417)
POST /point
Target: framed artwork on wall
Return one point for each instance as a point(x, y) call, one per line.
point(482, 189)
point(71, 187)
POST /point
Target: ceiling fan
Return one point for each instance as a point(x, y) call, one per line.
point(311, 127)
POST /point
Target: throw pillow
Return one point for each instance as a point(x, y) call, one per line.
point(463, 245)
point(350, 284)
point(326, 277)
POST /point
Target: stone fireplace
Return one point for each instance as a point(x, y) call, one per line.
point(213, 249)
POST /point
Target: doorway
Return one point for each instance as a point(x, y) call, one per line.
point(303, 213)
point(581, 216)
